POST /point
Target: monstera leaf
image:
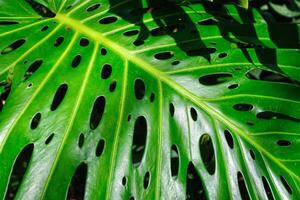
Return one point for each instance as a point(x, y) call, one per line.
point(107, 99)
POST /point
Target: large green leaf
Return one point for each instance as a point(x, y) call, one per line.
point(110, 96)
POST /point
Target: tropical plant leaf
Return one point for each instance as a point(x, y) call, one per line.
point(144, 100)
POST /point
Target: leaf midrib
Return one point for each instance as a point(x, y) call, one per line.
point(130, 56)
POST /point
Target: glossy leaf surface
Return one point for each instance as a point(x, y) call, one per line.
point(133, 99)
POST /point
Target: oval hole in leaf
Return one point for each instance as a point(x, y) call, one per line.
point(59, 41)
point(146, 180)
point(207, 153)
point(139, 89)
point(106, 71)
point(76, 61)
point(49, 139)
point(19, 168)
point(45, 28)
point(93, 7)
point(59, 96)
point(103, 51)
point(174, 161)
point(267, 188)
point(214, 79)
point(284, 143)
point(252, 154)
point(286, 185)
point(194, 114)
point(124, 181)
point(171, 109)
point(108, 20)
point(33, 68)
point(152, 97)
point(8, 23)
point(97, 112)
point(78, 182)
point(194, 186)
point(84, 42)
point(131, 33)
point(139, 140)
point(100, 147)
point(12, 47)
point(229, 139)
point(242, 187)
point(243, 107)
point(113, 86)
point(35, 121)
point(164, 55)
point(80, 140)
point(268, 115)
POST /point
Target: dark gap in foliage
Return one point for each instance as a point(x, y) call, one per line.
point(146, 180)
point(108, 20)
point(201, 51)
point(171, 109)
point(194, 186)
point(138, 42)
point(139, 89)
point(100, 147)
point(35, 121)
point(131, 33)
point(8, 23)
point(207, 153)
point(176, 62)
point(59, 96)
point(49, 139)
point(20, 166)
point(12, 47)
point(268, 115)
point(174, 161)
point(129, 118)
point(243, 107)
point(210, 21)
point(112, 86)
point(45, 28)
point(131, 198)
point(97, 112)
point(233, 86)
point(170, 29)
point(59, 41)
point(194, 114)
point(222, 55)
point(286, 185)
point(77, 186)
point(152, 97)
point(106, 71)
point(164, 55)
point(215, 79)
point(124, 181)
point(93, 7)
point(242, 187)
point(84, 42)
point(267, 188)
point(33, 68)
point(250, 123)
point(284, 143)
point(76, 61)
point(139, 140)
point(229, 139)
point(103, 51)
point(6, 85)
point(252, 154)
point(81, 140)
point(265, 75)
point(40, 9)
